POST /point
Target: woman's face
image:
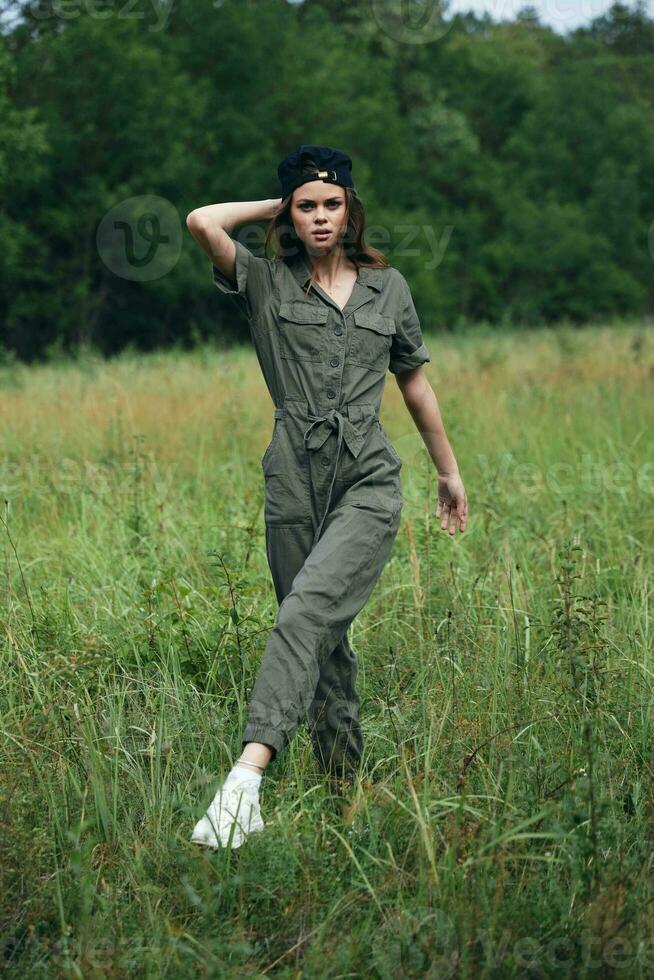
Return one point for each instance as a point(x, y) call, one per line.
point(319, 207)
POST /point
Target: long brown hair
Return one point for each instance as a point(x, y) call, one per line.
point(281, 233)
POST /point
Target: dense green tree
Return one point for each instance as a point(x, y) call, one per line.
point(508, 170)
point(23, 150)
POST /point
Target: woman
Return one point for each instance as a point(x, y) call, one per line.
point(328, 317)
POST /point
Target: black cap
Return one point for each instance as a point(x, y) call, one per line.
point(333, 166)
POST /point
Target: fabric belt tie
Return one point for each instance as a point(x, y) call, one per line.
point(317, 433)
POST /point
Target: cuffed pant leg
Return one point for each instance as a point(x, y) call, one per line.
point(254, 732)
point(333, 715)
point(286, 549)
point(327, 592)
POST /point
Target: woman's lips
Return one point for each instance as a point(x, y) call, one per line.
point(321, 234)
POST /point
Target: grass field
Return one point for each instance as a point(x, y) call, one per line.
point(503, 824)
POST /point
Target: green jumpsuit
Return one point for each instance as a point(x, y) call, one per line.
point(332, 489)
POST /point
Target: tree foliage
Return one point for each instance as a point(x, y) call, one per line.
point(506, 169)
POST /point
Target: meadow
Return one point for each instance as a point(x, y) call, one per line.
point(503, 822)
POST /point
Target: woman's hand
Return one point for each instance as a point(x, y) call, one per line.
point(452, 503)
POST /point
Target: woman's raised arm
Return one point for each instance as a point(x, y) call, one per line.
point(210, 225)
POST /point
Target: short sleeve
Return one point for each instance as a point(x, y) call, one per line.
point(408, 350)
point(255, 281)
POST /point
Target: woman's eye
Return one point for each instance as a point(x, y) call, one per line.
point(305, 206)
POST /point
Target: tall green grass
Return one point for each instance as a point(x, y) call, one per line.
point(502, 826)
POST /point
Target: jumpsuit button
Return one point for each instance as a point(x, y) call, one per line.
point(324, 461)
point(338, 331)
point(334, 361)
point(331, 393)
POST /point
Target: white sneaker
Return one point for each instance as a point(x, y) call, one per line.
point(234, 811)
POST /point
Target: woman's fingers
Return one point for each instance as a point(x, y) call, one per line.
point(453, 512)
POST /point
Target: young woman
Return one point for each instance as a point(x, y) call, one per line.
point(328, 317)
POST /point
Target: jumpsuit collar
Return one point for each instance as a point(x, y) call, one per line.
point(366, 279)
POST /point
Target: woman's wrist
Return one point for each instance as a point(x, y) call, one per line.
point(445, 464)
point(274, 206)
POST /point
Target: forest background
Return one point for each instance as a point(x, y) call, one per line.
point(506, 169)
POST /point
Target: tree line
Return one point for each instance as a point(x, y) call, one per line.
point(506, 168)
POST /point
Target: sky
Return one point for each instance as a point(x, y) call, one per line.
point(561, 15)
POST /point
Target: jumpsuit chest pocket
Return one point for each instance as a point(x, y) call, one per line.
point(370, 339)
point(302, 330)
